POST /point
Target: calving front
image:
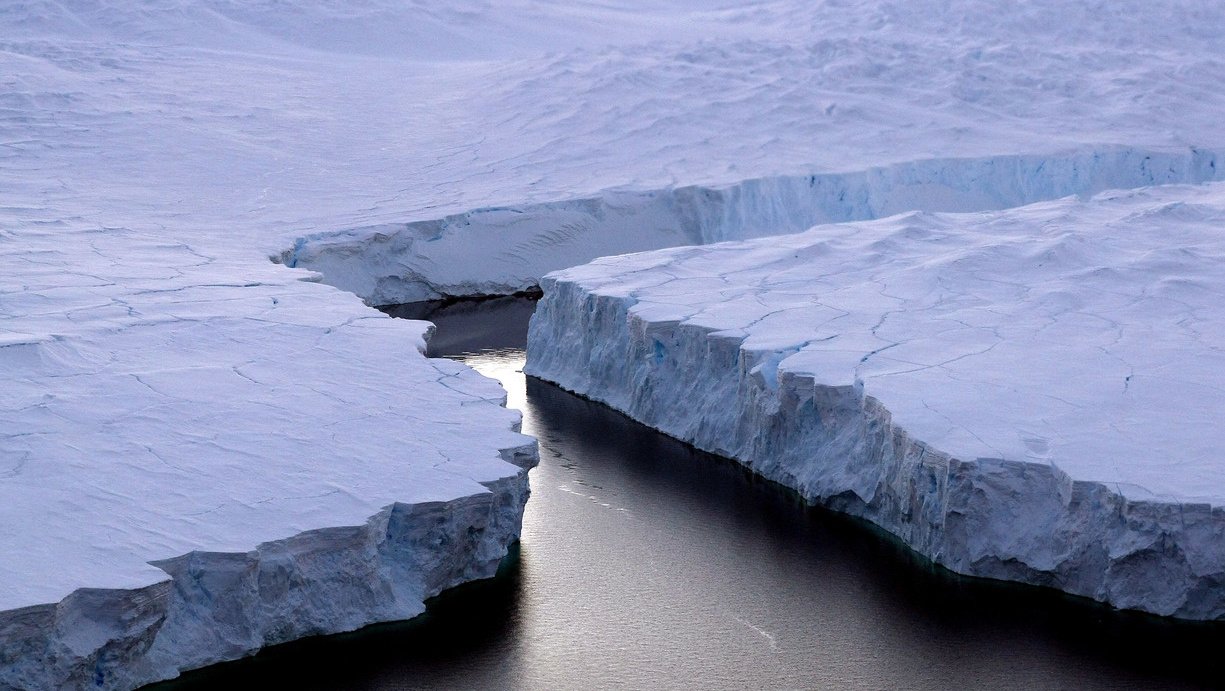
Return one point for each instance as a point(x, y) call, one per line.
point(1031, 395)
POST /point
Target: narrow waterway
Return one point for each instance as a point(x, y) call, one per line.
point(645, 564)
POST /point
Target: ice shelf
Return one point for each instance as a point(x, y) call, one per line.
point(495, 251)
point(199, 458)
point(1031, 395)
point(201, 454)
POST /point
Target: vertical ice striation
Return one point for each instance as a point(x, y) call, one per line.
point(219, 606)
point(1004, 392)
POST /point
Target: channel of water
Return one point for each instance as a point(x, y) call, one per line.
point(646, 564)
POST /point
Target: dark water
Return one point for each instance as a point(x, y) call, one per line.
point(645, 564)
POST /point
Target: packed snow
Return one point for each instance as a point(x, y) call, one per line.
point(167, 391)
point(1033, 394)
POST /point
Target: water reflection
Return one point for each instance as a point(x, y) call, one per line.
point(646, 564)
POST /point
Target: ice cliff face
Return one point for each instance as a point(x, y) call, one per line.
point(1004, 392)
point(505, 250)
point(199, 458)
point(219, 606)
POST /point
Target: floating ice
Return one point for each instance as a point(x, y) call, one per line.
point(1032, 394)
point(168, 396)
point(199, 458)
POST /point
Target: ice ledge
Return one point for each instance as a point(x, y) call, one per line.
point(499, 251)
point(1001, 391)
point(201, 455)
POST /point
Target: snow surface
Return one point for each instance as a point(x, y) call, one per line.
point(159, 401)
point(883, 107)
point(154, 384)
point(155, 153)
point(1032, 394)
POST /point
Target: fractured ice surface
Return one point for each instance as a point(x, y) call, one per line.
point(1032, 394)
point(505, 250)
point(165, 392)
point(287, 456)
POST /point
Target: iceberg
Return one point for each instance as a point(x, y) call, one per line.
point(504, 250)
point(1031, 395)
point(199, 458)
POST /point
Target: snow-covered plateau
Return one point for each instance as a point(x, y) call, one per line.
point(1032, 394)
point(203, 451)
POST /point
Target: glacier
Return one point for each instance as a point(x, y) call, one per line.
point(203, 451)
point(1030, 395)
point(504, 250)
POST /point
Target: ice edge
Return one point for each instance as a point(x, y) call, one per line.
point(220, 606)
point(838, 447)
point(504, 250)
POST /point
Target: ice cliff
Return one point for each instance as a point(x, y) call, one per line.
point(200, 457)
point(1030, 395)
point(196, 447)
point(498, 251)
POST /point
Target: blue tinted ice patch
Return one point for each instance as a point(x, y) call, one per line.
point(293, 256)
point(767, 369)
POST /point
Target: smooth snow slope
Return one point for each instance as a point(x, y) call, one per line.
point(1033, 394)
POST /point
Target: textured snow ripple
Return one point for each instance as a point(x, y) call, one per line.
point(1030, 395)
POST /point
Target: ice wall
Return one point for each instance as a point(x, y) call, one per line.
point(219, 606)
point(201, 455)
point(505, 250)
point(1007, 393)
